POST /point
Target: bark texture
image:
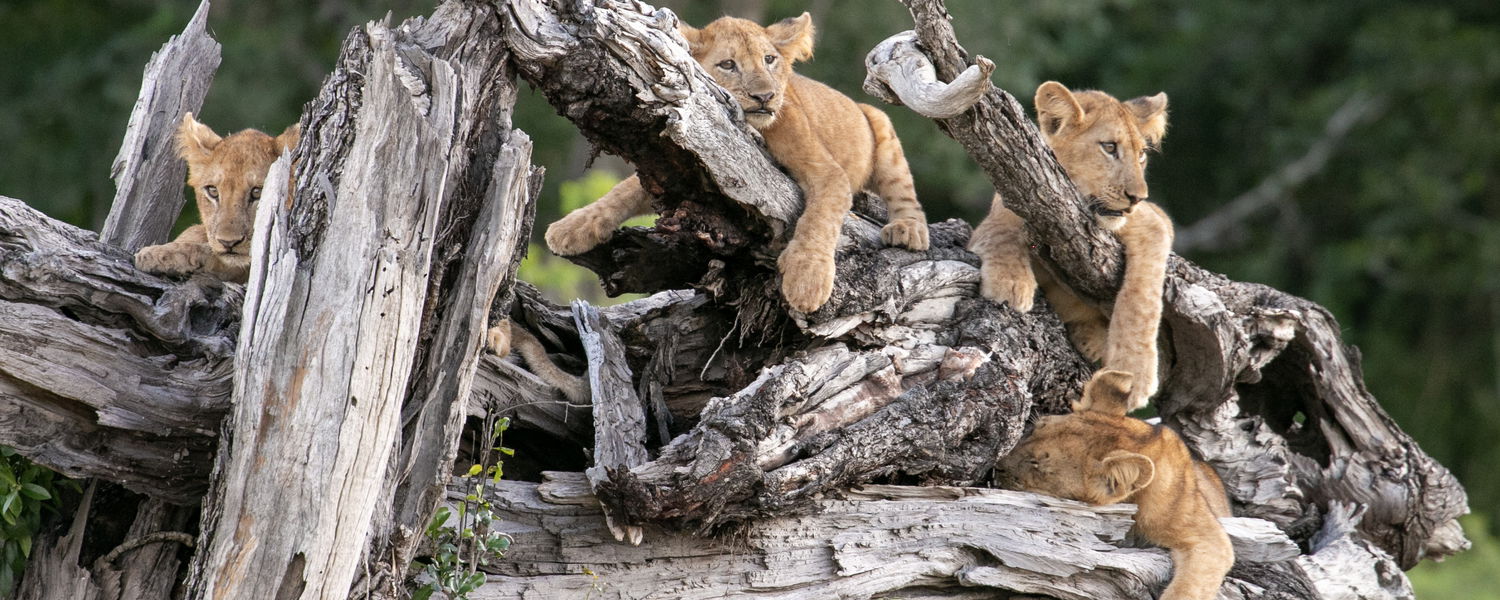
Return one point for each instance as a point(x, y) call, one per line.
point(148, 175)
point(714, 410)
point(377, 256)
point(1245, 360)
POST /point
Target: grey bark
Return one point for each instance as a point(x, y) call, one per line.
point(1247, 359)
point(906, 374)
point(148, 175)
point(885, 542)
point(364, 314)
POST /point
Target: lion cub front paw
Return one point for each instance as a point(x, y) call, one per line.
point(806, 278)
point(172, 258)
point(582, 230)
point(1016, 289)
point(908, 233)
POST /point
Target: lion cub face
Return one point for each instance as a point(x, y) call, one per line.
point(226, 174)
point(1102, 143)
point(754, 63)
point(1084, 456)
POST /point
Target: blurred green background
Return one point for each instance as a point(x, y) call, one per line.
point(1346, 150)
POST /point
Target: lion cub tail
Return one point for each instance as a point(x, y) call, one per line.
point(504, 337)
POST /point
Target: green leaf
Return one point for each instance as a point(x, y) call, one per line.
point(475, 470)
point(35, 491)
point(424, 592)
point(25, 542)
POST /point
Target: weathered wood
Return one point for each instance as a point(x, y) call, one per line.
point(915, 82)
point(148, 176)
point(877, 541)
point(619, 417)
point(106, 371)
point(1234, 340)
point(353, 267)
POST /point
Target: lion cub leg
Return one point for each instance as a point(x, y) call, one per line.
point(891, 180)
point(504, 337)
point(1199, 563)
point(1005, 273)
point(187, 254)
point(587, 227)
point(1087, 326)
point(1136, 318)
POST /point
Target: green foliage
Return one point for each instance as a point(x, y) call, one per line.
point(1470, 576)
point(26, 490)
point(459, 550)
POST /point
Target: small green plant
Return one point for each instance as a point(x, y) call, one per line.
point(460, 549)
point(26, 489)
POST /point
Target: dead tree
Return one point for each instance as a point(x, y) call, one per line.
point(769, 438)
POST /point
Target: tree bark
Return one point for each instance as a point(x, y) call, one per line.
point(406, 211)
point(364, 315)
point(1246, 360)
point(148, 175)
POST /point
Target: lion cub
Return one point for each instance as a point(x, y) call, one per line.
point(832, 145)
point(1100, 456)
point(1101, 143)
point(226, 174)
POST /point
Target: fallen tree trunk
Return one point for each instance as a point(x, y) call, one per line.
point(887, 541)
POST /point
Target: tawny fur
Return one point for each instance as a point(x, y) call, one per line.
point(1100, 456)
point(832, 145)
point(1081, 128)
point(505, 337)
point(226, 174)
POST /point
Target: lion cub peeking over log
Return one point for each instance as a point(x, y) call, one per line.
point(832, 145)
point(226, 174)
point(1101, 143)
point(1100, 456)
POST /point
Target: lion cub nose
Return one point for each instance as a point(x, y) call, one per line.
point(1134, 199)
point(230, 243)
point(763, 97)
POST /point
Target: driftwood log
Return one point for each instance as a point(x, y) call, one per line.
point(403, 213)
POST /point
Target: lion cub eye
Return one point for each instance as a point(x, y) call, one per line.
point(1110, 148)
point(727, 65)
point(212, 191)
point(1143, 158)
point(770, 59)
point(255, 193)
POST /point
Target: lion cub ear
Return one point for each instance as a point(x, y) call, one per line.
point(1107, 392)
point(1123, 474)
point(1056, 107)
point(693, 35)
point(1150, 116)
point(195, 140)
point(793, 37)
point(289, 138)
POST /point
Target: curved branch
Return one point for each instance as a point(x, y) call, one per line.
point(898, 62)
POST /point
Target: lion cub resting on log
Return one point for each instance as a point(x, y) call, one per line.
point(226, 174)
point(1101, 142)
point(1100, 456)
point(832, 145)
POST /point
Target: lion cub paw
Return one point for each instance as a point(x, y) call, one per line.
point(908, 233)
point(806, 278)
point(582, 230)
point(1017, 290)
point(497, 339)
point(172, 258)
